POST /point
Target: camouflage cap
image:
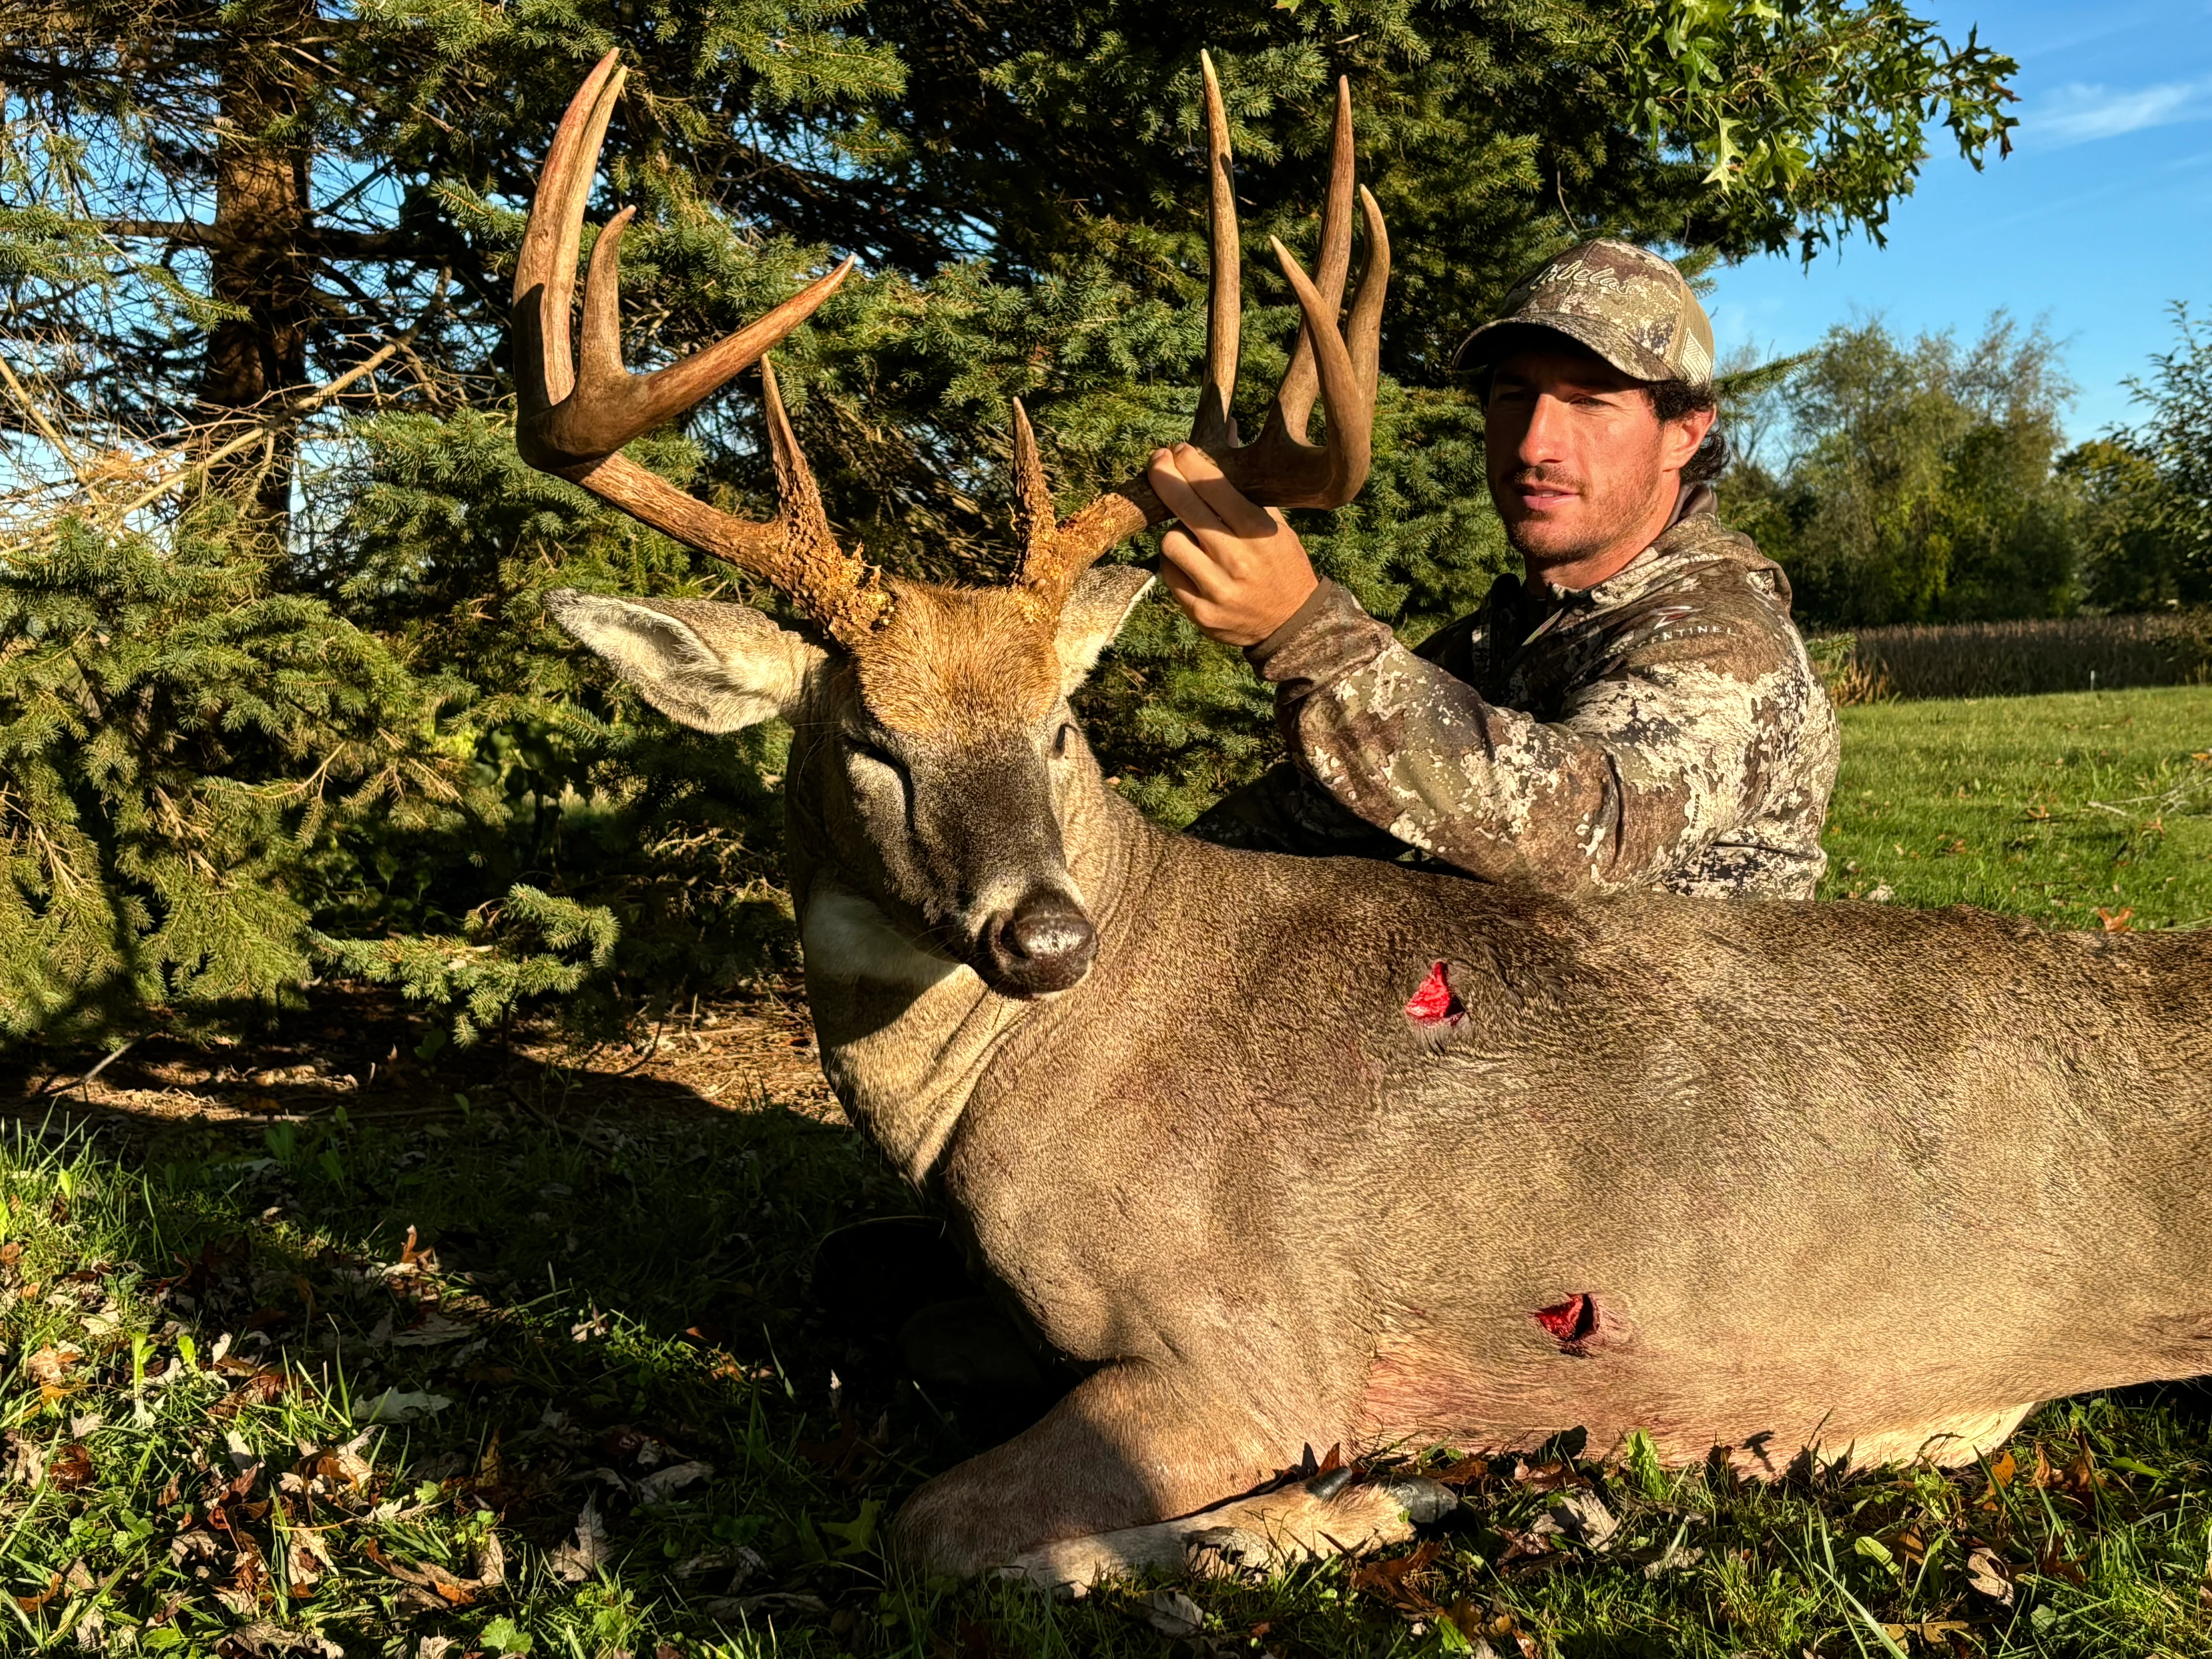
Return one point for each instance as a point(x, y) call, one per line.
point(1629, 306)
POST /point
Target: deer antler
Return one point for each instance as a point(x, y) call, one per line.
point(1278, 467)
point(575, 415)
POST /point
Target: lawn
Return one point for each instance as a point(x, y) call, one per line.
point(2073, 808)
point(483, 1355)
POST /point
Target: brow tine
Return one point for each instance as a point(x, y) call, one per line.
point(1225, 292)
point(1294, 399)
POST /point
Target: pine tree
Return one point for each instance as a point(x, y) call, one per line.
point(256, 260)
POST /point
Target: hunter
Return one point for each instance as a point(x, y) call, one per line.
point(1634, 709)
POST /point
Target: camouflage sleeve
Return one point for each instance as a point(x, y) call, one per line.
point(1648, 764)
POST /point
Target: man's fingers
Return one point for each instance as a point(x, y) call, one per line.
point(1176, 494)
point(1195, 606)
point(1186, 569)
point(1238, 515)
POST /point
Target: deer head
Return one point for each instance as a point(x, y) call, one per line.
point(934, 753)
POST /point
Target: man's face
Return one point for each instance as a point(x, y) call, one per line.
point(1579, 462)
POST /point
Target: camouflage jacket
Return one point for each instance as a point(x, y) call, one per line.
point(1664, 728)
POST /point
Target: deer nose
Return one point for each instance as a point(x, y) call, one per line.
point(1044, 943)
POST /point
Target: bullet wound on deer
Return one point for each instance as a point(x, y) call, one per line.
point(1571, 1323)
point(1435, 1005)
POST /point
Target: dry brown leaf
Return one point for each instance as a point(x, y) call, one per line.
point(49, 1367)
point(1387, 1578)
point(305, 1558)
point(70, 1469)
point(490, 1569)
point(2051, 1562)
point(1986, 1573)
point(343, 1467)
point(33, 1603)
point(1930, 1630)
point(1548, 1477)
point(575, 1562)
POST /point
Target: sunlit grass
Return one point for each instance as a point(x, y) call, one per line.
point(2058, 807)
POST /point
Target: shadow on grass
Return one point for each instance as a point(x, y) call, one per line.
point(570, 1326)
point(604, 1345)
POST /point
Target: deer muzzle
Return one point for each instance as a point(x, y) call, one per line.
point(1043, 942)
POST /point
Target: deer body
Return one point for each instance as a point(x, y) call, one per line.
point(1870, 1180)
point(1297, 1152)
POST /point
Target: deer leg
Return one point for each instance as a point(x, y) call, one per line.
point(1331, 1514)
point(1132, 1446)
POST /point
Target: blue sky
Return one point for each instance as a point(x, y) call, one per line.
point(2100, 219)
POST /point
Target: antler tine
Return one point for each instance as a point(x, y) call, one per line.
point(1366, 323)
point(599, 406)
point(1294, 399)
point(1278, 467)
point(545, 272)
point(1224, 301)
point(575, 416)
point(1033, 512)
point(834, 585)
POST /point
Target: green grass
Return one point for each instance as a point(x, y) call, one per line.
point(2056, 806)
point(608, 1301)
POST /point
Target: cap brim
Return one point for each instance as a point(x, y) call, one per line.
point(1615, 345)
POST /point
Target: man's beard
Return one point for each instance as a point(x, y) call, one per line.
point(1605, 519)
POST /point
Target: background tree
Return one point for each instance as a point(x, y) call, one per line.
point(1918, 482)
point(256, 260)
point(2146, 489)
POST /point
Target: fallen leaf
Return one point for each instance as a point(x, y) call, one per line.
point(2050, 1562)
point(2003, 1471)
point(432, 1329)
point(576, 1562)
point(49, 1367)
point(662, 1484)
point(305, 1558)
point(1174, 1615)
point(1583, 1517)
point(1548, 1477)
point(1930, 1630)
point(70, 1469)
point(490, 1569)
point(33, 1603)
point(2115, 922)
point(1986, 1573)
point(343, 1467)
point(26, 1459)
point(393, 1405)
point(1386, 1577)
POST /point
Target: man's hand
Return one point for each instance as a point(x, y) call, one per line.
point(1238, 570)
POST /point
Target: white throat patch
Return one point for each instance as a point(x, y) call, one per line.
point(847, 937)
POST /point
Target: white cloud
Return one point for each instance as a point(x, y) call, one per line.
point(2076, 114)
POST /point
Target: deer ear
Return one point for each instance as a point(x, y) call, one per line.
point(1105, 596)
point(715, 667)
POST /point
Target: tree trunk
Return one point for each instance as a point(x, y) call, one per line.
point(259, 264)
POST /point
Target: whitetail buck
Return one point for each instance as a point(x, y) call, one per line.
point(1296, 1152)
